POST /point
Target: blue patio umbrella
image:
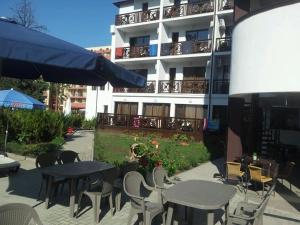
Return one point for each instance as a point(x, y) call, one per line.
point(14, 99)
point(30, 54)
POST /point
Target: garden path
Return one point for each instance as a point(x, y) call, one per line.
point(82, 142)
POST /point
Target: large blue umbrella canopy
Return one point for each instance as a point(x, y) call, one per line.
point(15, 99)
point(30, 54)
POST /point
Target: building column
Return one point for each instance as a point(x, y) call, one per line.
point(172, 110)
point(140, 108)
point(234, 139)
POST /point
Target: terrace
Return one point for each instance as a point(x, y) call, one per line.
point(150, 88)
point(137, 17)
point(188, 9)
point(183, 86)
point(185, 47)
point(136, 52)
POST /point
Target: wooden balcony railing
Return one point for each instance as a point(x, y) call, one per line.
point(150, 88)
point(149, 122)
point(224, 44)
point(136, 51)
point(183, 86)
point(188, 9)
point(221, 86)
point(137, 17)
point(185, 47)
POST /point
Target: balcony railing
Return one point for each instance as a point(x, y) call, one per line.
point(188, 9)
point(226, 4)
point(224, 44)
point(137, 17)
point(221, 86)
point(185, 47)
point(149, 122)
point(183, 86)
point(136, 52)
point(150, 88)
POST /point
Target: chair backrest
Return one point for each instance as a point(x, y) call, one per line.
point(159, 176)
point(45, 160)
point(233, 168)
point(68, 157)
point(18, 214)
point(255, 173)
point(109, 177)
point(289, 168)
point(132, 187)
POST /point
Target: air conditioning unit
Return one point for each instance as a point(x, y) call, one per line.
point(222, 26)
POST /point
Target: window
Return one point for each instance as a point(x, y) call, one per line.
point(94, 88)
point(105, 110)
point(139, 41)
point(191, 111)
point(172, 73)
point(102, 88)
point(128, 108)
point(193, 73)
point(145, 6)
point(197, 35)
point(175, 37)
point(154, 109)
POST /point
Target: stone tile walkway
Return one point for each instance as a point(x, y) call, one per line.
point(23, 187)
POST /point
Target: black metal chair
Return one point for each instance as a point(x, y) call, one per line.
point(68, 157)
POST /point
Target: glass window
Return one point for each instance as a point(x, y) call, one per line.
point(197, 35)
point(191, 111)
point(128, 108)
point(154, 109)
point(102, 88)
point(193, 73)
point(94, 88)
point(139, 41)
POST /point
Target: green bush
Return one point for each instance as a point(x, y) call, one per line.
point(73, 120)
point(33, 126)
point(89, 124)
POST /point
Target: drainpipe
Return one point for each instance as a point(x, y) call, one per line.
point(212, 60)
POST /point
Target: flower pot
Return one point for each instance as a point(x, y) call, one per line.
point(154, 142)
point(184, 143)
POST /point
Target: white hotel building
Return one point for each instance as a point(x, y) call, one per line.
point(183, 47)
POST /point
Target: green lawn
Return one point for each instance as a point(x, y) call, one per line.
point(114, 147)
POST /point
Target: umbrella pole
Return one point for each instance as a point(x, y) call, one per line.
point(6, 135)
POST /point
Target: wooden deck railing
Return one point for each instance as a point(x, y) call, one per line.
point(137, 17)
point(149, 122)
point(185, 47)
point(183, 86)
point(188, 9)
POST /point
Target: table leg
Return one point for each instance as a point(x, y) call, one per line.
point(170, 214)
point(72, 196)
point(226, 212)
point(48, 190)
point(210, 218)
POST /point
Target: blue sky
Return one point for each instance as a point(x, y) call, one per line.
point(82, 22)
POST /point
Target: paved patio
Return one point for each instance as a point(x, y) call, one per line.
point(283, 209)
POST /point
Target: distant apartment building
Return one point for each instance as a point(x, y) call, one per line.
point(96, 96)
point(183, 48)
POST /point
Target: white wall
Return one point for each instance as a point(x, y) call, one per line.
point(266, 52)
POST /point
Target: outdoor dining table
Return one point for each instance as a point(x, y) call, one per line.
point(199, 194)
point(73, 171)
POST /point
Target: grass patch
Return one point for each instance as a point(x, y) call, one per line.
point(115, 147)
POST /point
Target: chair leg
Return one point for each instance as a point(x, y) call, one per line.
point(147, 219)
point(131, 214)
point(111, 205)
point(79, 202)
point(164, 218)
point(41, 187)
point(96, 205)
point(118, 201)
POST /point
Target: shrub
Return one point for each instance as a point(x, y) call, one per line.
point(73, 120)
point(89, 124)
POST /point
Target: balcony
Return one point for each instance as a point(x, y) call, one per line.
point(188, 9)
point(137, 17)
point(149, 122)
point(226, 5)
point(150, 88)
point(136, 52)
point(221, 86)
point(183, 86)
point(224, 44)
point(185, 47)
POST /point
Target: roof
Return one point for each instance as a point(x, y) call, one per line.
point(118, 3)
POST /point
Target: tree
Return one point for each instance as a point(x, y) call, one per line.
point(23, 14)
